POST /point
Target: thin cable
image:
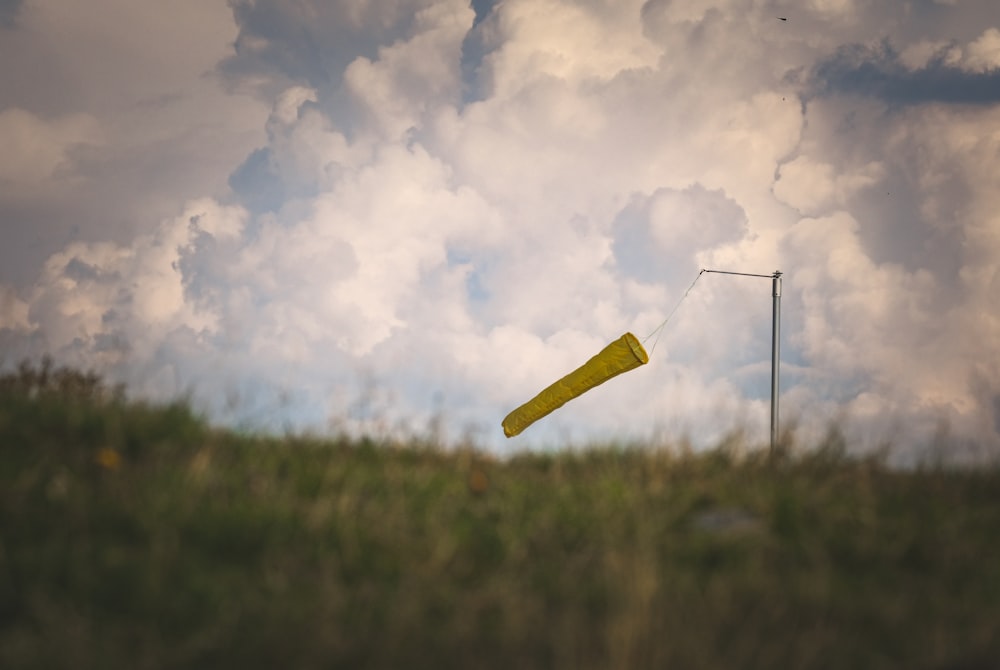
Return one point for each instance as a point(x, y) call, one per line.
point(659, 328)
point(741, 274)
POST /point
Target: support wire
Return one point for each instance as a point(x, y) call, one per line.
point(659, 329)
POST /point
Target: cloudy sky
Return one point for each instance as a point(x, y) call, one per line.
point(412, 215)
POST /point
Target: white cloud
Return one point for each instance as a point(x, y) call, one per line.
point(816, 187)
point(567, 41)
point(919, 55)
point(90, 292)
point(983, 54)
point(980, 55)
point(409, 76)
point(13, 310)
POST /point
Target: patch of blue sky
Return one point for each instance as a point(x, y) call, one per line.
point(256, 183)
point(475, 283)
point(474, 51)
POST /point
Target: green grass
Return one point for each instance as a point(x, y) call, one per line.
point(134, 536)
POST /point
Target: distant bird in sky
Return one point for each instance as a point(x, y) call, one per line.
point(782, 18)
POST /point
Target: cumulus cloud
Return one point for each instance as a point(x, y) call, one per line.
point(814, 187)
point(13, 310)
point(452, 205)
point(983, 55)
point(311, 43)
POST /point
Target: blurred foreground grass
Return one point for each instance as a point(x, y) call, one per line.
point(134, 536)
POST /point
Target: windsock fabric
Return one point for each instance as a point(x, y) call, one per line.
point(624, 354)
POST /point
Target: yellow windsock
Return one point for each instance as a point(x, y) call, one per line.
point(624, 354)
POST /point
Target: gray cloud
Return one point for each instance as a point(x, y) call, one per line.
point(9, 10)
point(878, 72)
point(79, 272)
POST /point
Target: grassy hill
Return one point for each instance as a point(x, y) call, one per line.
point(134, 536)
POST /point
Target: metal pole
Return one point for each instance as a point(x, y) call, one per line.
point(775, 343)
point(775, 355)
